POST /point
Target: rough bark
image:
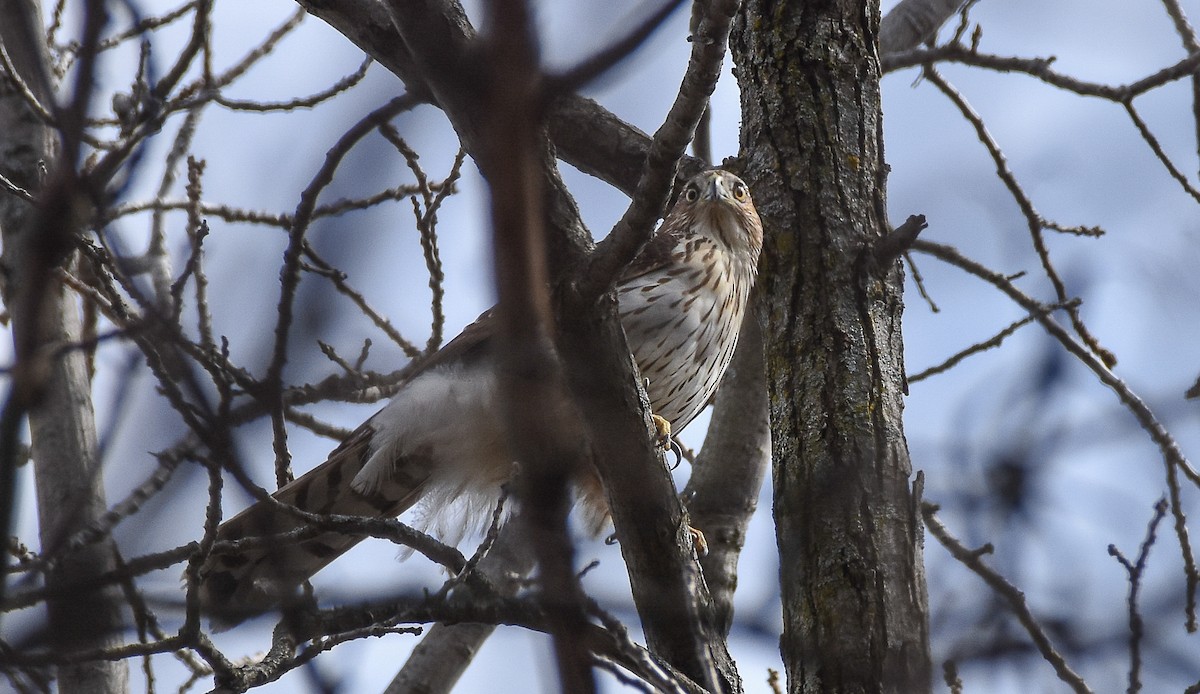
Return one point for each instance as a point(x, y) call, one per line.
point(849, 536)
point(52, 385)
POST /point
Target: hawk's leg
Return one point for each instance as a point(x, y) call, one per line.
point(662, 429)
point(699, 544)
point(664, 440)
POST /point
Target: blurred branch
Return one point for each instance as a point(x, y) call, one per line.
point(667, 587)
point(50, 387)
point(1173, 456)
point(585, 134)
point(604, 60)
point(542, 425)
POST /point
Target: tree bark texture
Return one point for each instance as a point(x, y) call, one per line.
point(53, 383)
point(847, 525)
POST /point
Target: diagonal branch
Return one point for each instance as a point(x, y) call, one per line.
point(1173, 458)
point(1010, 593)
point(591, 68)
point(654, 186)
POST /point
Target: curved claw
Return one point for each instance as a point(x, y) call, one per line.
point(664, 440)
point(678, 451)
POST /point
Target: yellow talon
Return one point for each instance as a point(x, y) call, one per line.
point(698, 542)
point(663, 430)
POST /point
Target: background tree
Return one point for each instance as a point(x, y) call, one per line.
point(1019, 446)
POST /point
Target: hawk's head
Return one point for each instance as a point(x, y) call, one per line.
point(717, 204)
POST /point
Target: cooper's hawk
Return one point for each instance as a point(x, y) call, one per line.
point(440, 443)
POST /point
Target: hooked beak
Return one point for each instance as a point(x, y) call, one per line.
point(713, 191)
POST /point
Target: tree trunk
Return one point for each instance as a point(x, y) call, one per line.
point(854, 602)
point(53, 386)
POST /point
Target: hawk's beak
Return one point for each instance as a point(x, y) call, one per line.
point(713, 192)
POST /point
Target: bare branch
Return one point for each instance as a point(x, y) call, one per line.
point(1173, 456)
point(1040, 68)
point(1135, 569)
point(1188, 35)
point(1033, 219)
point(1011, 594)
point(272, 383)
point(1152, 142)
point(990, 343)
point(439, 660)
point(322, 96)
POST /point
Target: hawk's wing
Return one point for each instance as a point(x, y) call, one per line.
point(656, 254)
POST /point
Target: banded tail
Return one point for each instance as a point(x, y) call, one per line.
point(239, 583)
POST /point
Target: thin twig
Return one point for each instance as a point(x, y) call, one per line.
point(1156, 147)
point(1135, 570)
point(990, 343)
point(289, 274)
point(1040, 68)
point(1010, 593)
point(310, 101)
point(1033, 218)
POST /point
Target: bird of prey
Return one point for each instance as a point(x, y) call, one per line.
point(439, 443)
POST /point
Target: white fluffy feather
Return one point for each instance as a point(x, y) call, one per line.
point(444, 423)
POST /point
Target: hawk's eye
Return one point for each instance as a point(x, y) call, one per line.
point(739, 191)
point(691, 194)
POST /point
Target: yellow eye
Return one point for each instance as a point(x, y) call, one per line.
point(739, 192)
point(691, 194)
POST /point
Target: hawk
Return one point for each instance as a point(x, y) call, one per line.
point(681, 304)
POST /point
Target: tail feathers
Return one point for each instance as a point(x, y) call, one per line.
point(237, 583)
